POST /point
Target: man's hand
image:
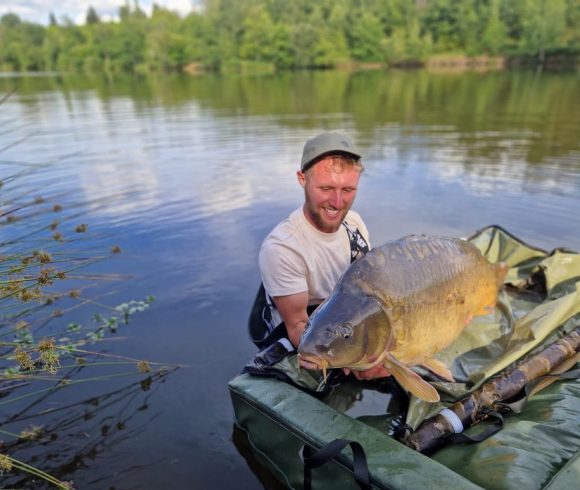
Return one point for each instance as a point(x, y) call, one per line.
point(378, 371)
point(307, 364)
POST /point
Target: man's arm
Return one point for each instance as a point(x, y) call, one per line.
point(292, 308)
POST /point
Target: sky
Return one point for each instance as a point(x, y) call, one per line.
point(38, 11)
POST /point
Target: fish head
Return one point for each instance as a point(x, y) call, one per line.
point(346, 331)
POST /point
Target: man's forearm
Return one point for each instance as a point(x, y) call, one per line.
point(295, 331)
point(292, 308)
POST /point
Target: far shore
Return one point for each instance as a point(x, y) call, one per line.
point(438, 63)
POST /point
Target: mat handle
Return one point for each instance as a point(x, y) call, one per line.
point(360, 467)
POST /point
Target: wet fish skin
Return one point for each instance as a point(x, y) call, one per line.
point(401, 304)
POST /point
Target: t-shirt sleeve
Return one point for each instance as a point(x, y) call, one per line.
point(283, 271)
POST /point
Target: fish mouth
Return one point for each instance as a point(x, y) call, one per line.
point(313, 362)
point(317, 361)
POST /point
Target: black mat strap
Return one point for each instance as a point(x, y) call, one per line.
point(323, 455)
point(489, 431)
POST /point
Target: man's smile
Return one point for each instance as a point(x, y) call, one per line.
point(332, 212)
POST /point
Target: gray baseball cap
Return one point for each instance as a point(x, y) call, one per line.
point(327, 143)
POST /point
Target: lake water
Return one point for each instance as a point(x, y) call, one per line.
point(187, 176)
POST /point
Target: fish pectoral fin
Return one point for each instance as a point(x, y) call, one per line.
point(439, 368)
point(411, 381)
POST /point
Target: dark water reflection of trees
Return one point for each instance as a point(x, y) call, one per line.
point(536, 111)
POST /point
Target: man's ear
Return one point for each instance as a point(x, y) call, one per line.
point(301, 178)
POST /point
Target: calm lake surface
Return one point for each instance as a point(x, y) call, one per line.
point(188, 175)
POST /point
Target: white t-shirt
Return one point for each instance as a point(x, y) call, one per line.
point(296, 257)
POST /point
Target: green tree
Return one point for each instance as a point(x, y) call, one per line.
point(10, 21)
point(258, 36)
point(70, 41)
point(165, 45)
point(128, 12)
point(572, 34)
point(440, 20)
point(365, 37)
point(469, 26)
point(292, 34)
point(303, 37)
point(543, 27)
point(20, 44)
point(92, 16)
point(51, 47)
point(495, 33)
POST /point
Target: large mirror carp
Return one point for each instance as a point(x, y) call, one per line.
point(399, 305)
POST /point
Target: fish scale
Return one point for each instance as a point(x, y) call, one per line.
point(399, 305)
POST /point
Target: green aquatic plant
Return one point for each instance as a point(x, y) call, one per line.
point(31, 285)
point(44, 348)
point(8, 463)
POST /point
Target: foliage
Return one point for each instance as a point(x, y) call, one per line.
point(297, 34)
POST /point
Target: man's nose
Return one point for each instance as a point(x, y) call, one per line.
point(336, 199)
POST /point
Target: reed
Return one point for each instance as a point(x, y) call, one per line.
point(47, 244)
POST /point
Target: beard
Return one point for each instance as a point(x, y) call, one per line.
point(321, 221)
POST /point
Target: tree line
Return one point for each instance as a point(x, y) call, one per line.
point(286, 34)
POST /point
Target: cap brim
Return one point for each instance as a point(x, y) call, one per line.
point(311, 162)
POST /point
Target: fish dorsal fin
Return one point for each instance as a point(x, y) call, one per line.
point(411, 381)
point(439, 368)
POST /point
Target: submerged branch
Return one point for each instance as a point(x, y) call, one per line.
point(7, 95)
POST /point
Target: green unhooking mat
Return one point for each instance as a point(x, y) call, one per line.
point(537, 448)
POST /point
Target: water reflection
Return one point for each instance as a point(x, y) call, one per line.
point(537, 109)
point(73, 437)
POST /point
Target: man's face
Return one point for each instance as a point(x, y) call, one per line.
point(329, 189)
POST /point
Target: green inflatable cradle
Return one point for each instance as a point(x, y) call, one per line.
point(278, 426)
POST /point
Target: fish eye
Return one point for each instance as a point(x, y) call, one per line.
point(344, 330)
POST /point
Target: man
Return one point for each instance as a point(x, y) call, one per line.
point(302, 259)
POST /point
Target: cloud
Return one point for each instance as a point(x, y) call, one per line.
point(38, 11)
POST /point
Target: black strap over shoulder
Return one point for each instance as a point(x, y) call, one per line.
point(331, 450)
point(358, 244)
point(260, 326)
